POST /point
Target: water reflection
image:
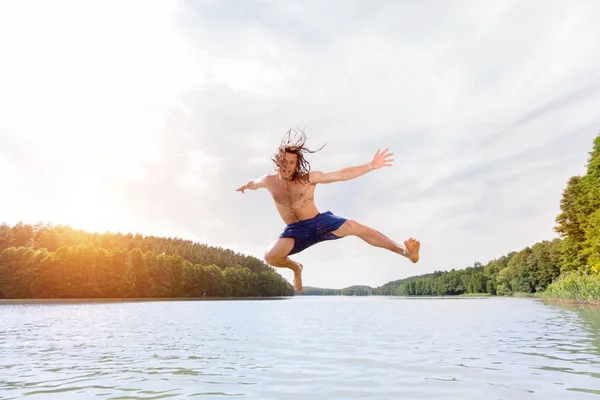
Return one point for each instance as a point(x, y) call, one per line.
point(570, 341)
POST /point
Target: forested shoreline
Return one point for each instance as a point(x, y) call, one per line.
point(530, 270)
point(44, 261)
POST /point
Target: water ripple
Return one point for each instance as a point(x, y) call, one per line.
point(301, 348)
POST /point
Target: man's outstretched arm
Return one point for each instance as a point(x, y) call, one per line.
point(253, 184)
point(380, 159)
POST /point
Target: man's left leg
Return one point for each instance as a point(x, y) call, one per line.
point(375, 238)
point(277, 256)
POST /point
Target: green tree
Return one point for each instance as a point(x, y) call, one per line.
point(579, 220)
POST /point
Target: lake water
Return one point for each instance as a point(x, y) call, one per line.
point(301, 348)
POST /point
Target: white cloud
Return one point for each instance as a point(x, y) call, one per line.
point(154, 113)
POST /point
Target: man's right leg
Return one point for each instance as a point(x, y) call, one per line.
point(375, 238)
point(277, 256)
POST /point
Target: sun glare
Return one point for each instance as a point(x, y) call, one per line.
point(90, 87)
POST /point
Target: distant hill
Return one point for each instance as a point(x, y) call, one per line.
point(356, 290)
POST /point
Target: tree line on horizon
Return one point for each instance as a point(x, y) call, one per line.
point(530, 270)
point(45, 261)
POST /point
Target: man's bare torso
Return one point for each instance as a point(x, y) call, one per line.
point(294, 200)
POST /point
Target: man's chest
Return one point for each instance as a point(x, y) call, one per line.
point(291, 193)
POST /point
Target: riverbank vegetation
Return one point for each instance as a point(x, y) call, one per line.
point(44, 261)
point(574, 288)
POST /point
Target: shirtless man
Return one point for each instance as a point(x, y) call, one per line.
point(292, 188)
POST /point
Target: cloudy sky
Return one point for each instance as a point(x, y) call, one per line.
point(140, 116)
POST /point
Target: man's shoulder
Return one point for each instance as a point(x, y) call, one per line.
point(313, 176)
point(268, 179)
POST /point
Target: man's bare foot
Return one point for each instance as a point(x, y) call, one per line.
point(413, 247)
point(298, 277)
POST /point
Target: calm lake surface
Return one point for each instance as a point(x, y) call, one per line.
point(301, 348)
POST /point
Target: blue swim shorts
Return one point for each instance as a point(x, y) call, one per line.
point(312, 231)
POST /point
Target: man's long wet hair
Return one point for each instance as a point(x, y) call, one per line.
point(294, 142)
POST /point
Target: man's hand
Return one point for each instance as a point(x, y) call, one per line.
point(381, 159)
point(253, 184)
point(242, 188)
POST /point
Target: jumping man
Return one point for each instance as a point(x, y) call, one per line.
point(292, 188)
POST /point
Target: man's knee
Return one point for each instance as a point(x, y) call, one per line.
point(274, 256)
point(271, 257)
point(278, 251)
